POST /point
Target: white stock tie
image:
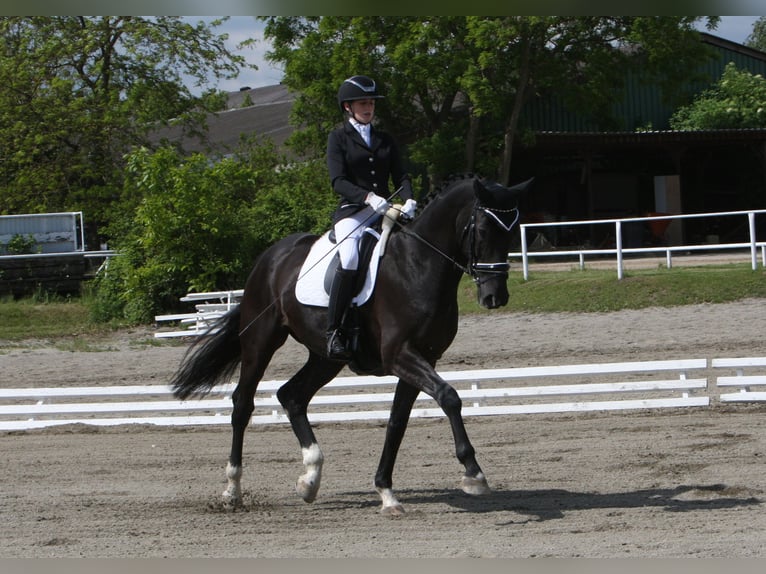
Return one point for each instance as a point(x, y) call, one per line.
point(364, 130)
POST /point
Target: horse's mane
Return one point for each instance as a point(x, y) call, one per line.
point(446, 183)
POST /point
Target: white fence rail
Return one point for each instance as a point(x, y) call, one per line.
point(619, 251)
point(584, 387)
point(747, 383)
point(214, 304)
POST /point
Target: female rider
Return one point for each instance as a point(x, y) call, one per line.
point(361, 160)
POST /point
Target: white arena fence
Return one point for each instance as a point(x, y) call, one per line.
point(515, 391)
point(619, 251)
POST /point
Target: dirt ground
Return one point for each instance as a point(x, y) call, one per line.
point(663, 483)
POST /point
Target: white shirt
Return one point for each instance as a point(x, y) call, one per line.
point(363, 129)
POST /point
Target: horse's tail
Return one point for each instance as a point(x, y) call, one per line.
point(210, 359)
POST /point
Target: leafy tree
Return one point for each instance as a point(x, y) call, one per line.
point(757, 38)
point(417, 62)
point(738, 100)
point(79, 92)
point(196, 225)
point(455, 79)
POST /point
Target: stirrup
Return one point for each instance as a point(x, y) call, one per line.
point(336, 347)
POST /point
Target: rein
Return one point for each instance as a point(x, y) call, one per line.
point(473, 268)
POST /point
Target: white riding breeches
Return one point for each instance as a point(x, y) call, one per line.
point(347, 233)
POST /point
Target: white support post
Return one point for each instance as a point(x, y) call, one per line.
point(524, 253)
point(753, 247)
point(618, 241)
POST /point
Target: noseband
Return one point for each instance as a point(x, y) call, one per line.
point(475, 268)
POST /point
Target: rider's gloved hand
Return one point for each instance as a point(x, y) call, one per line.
point(379, 204)
point(408, 210)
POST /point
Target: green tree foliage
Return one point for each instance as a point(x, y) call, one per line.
point(757, 38)
point(456, 86)
point(738, 100)
point(80, 91)
point(197, 225)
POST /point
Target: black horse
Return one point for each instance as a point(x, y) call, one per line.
point(406, 326)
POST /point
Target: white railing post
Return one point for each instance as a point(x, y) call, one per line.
point(618, 241)
point(753, 247)
point(524, 253)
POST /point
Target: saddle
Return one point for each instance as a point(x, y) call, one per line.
point(316, 273)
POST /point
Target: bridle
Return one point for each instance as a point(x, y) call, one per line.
point(475, 269)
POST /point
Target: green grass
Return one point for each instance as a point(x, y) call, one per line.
point(62, 320)
point(601, 291)
point(69, 325)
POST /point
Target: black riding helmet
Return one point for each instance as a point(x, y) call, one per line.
point(357, 88)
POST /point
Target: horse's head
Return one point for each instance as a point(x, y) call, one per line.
point(495, 212)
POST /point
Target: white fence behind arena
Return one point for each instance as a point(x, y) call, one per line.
point(585, 387)
point(752, 245)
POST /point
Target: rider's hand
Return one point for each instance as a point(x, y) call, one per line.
point(379, 204)
point(408, 210)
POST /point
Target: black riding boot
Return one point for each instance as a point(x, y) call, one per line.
point(341, 294)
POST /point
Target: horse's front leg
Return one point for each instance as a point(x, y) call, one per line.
point(404, 398)
point(295, 396)
point(419, 373)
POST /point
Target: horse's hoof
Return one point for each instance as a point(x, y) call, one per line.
point(307, 490)
point(475, 485)
point(230, 501)
point(394, 510)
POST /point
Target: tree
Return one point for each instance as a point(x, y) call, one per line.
point(757, 38)
point(79, 92)
point(580, 60)
point(195, 225)
point(417, 61)
point(457, 82)
point(737, 101)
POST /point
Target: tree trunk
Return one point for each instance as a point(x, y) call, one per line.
point(513, 120)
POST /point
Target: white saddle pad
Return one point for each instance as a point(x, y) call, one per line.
point(310, 290)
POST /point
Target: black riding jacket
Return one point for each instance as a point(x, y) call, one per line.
point(355, 169)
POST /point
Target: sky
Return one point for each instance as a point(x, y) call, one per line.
point(239, 28)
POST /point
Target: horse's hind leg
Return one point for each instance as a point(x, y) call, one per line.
point(404, 398)
point(255, 357)
point(295, 396)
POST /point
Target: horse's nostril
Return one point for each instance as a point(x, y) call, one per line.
point(493, 301)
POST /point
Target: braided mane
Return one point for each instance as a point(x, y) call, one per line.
point(446, 183)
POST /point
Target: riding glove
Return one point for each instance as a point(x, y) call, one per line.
point(408, 210)
point(379, 204)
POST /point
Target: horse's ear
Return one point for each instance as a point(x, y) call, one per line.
point(481, 192)
point(493, 193)
point(523, 187)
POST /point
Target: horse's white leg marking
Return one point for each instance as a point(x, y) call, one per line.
point(391, 506)
point(308, 483)
point(232, 496)
point(476, 485)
